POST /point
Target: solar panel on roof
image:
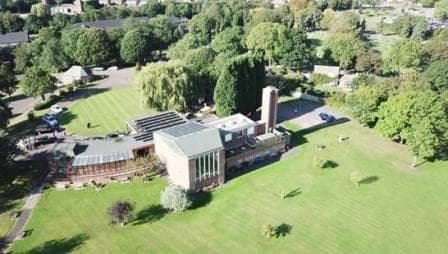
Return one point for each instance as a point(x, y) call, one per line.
point(185, 129)
point(153, 123)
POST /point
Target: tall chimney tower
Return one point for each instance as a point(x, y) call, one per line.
point(269, 108)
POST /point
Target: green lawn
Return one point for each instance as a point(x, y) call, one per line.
point(399, 210)
point(107, 112)
point(15, 184)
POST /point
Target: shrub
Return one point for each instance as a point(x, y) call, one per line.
point(121, 212)
point(355, 177)
point(319, 162)
point(269, 231)
point(175, 198)
point(30, 116)
point(320, 79)
point(52, 99)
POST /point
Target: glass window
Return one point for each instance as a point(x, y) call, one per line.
point(228, 137)
point(251, 131)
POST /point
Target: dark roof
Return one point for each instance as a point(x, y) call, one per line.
point(14, 38)
point(110, 23)
point(147, 125)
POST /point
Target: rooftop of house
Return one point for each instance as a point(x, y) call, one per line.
point(76, 71)
point(191, 139)
point(14, 38)
point(232, 123)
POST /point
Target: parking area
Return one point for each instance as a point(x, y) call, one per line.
point(305, 113)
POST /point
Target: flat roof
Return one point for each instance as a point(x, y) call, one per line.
point(146, 126)
point(232, 123)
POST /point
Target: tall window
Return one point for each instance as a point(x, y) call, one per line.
point(207, 165)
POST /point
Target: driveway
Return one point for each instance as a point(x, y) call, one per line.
point(121, 78)
point(304, 113)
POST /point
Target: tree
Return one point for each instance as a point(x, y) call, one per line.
point(295, 51)
point(199, 62)
point(437, 75)
point(344, 48)
point(69, 39)
point(179, 49)
point(5, 113)
point(167, 85)
point(346, 22)
point(403, 54)
point(421, 30)
point(260, 15)
point(53, 58)
point(427, 3)
point(418, 119)
point(441, 9)
point(36, 81)
point(178, 9)
point(435, 50)
point(135, 46)
point(365, 101)
point(328, 17)
point(10, 22)
point(265, 39)
point(120, 212)
point(175, 198)
point(229, 41)
point(22, 57)
point(163, 32)
point(239, 85)
point(40, 10)
point(369, 61)
point(8, 80)
point(152, 8)
point(93, 47)
point(34, 23)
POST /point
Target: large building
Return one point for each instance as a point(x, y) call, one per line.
point(195, 154)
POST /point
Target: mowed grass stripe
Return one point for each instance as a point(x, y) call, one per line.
point(107, 112)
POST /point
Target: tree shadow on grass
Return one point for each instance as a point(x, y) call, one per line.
point(67, 117)
point(293, 193)
point(149, 214)
point(283, 230)
point(63, 245)
point(331, 164)
point(369, 180)
point(200, 199)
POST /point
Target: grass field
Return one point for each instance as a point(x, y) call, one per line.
point(14, 185)
point(106, 111)
point(396, 210)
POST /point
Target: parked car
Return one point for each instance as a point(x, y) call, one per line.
point(50, 120)
point(56, 109)
point(327, 117)
point(43, 128)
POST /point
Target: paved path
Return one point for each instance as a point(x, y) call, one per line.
point(31, 201)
